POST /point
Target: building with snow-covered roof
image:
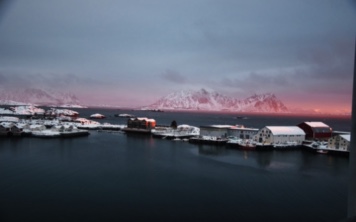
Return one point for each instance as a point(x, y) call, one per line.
point(316, 130)
point(5, 111)
point(141, 123)
point(273, 135)
point(239, 131)
point(12, 119)
point(62, 112)
point(10, 129)
point(27, 110)
point(224, 131)
point(340, 142)
point(220, 131)
point(5, 129)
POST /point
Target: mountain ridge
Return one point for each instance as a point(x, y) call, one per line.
point(37, 96)
point(214, 101)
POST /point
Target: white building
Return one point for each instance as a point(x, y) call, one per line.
point(340, 142)
point(220, 131)
point(280, 135)
point(242, 132)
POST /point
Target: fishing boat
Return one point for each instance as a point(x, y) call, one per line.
point(244, 144)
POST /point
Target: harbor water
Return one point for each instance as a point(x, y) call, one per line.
point(111, 176)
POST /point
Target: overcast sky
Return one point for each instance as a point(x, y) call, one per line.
point(134, 52)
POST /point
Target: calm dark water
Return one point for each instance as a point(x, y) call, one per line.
point(113, 176)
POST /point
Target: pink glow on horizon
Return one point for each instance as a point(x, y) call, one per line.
point(133, 97)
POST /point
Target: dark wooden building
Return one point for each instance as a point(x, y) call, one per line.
point(316, 130)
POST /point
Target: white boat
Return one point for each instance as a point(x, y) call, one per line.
point(124, 115)
point(208, 140)
point(317, 146)
point(48, 133)
point(27, 110)
point(97, 116)
point(182, 131)
point(322, 151)
point(60, 131)
point(244, 144)
point(83, 123)
point(62, 112)
point(288, 144)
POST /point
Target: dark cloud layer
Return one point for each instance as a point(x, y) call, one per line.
point(291, 48)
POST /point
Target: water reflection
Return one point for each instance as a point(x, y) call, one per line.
point(245, 155)
point(264, 158)
point(211, 150)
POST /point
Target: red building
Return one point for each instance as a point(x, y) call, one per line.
point(316, 130)
point(141, 123)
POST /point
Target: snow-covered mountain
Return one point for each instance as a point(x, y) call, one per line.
point(36, 96)
point(213, 101)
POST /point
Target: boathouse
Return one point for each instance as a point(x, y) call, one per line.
point(340, 142)
point(5, 129)
point(239, 131)
point(220, 131)
point(316, 130)
point(16, 130)
point(280, 135)
point(141, 123)
point(10, 129)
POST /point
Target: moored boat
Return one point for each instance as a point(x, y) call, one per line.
point(97, 116)
point(124, 115)
point(244, 144)
point(182, 131)
point(208, 140)
point(322, 151)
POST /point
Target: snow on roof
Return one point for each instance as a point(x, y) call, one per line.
point(286, 130)
point(6, 124)
point(86, 121)
point(64, 112)
point(346, 137)
point(145, 118)
point(316, 124)
point(185, 126)
point(218, 126)
point(5, 111)
point(28, 110)
point(37, 126)
point(241, 127)
point(9, 119)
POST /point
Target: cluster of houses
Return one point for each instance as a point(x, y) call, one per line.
point(315, 135)
point(13, 126)
point(9, 126)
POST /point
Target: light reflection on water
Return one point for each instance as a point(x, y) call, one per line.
point(296, 160)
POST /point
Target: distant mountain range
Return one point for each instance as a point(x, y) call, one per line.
point(181, 100)
point(37, 97)
point(213, 101)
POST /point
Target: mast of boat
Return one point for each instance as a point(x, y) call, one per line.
point(351, 210)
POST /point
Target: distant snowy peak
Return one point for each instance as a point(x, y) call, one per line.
point(36, 96)
point(265, 103)
point(213, 101)
point(201, 99)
